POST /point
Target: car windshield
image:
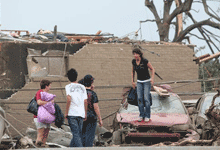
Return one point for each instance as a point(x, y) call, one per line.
point(171, 104)
point(207, 102)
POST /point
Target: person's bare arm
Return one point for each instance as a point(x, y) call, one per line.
point(97, 111)
point(40, 102)
point(85, 106)
point(67, 105)
point(152, 72)
point(132, 77)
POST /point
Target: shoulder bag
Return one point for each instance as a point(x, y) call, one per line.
point(33, 106)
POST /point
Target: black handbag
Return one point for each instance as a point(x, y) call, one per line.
point(132, 97)
point(33, 106)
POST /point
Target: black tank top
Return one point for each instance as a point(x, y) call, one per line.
point(141, 69)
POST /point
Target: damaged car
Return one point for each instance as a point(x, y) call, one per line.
point(169, 121)
point(206, 115)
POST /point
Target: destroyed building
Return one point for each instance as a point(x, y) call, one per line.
point(109, 63)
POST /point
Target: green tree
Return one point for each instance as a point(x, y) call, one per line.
point(208, 70)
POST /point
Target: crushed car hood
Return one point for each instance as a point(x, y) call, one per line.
point(158, 119)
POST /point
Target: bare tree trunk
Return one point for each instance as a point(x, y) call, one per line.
point(153, 9)
point(164, 32)
point(163, 27)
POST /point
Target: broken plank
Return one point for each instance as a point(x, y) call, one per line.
point(161, 92)
point(209, 58)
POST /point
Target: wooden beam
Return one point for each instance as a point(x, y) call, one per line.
point(162, 92)
point(209, 58)
point(197, 59)
point(201, 57)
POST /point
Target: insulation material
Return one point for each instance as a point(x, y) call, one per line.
point(35, 70)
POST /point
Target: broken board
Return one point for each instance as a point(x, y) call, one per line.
point(161, 92)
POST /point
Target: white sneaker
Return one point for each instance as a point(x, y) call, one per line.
point(146, 119)
point(140, 119)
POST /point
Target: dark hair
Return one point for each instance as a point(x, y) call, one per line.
point(72, 75)
point(88, 80)
point(137, 51)
point(81, 81)
point(44, 83)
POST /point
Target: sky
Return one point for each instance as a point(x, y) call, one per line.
point(118, 17)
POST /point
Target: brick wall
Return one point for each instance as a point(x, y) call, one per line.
point(110, 64)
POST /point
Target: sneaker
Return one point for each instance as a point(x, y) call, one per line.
point(146, 119)
point(39, 144)
point(140, 119)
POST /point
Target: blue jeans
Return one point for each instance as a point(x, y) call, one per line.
point(76, 124)
point(143, 94)
point(88, 132)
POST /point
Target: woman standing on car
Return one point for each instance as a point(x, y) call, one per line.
point(144, 82)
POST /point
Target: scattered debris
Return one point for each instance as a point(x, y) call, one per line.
point(2, 123)
point(24, 143)
point(103, 137)
point(197, 59)
point(207, 131)
point(205, 58)
point(54, 36)
point(190, 103)
point(160, 91)
point(56, 135)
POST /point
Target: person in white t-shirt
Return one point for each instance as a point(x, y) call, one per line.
point(76, 107)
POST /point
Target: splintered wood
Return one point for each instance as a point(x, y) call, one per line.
point(160, 91)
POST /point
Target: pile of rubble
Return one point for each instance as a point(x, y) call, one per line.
point(52, 36)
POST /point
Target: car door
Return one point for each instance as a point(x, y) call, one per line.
point(197, 108)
